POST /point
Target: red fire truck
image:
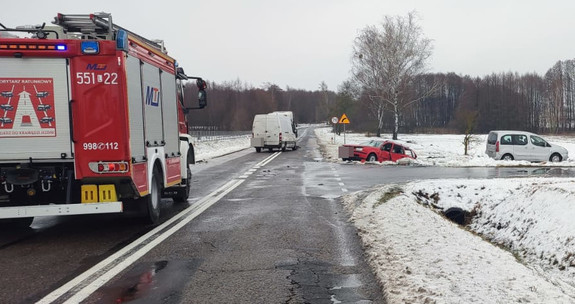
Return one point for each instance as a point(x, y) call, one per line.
point(92, 120)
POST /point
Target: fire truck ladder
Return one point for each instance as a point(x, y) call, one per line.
point(97, 26)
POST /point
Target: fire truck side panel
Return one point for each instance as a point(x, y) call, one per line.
point(173, 171)
point(170, 113)
point(139, 176)
point(99, 112)
point(136, 109)
point(151, 85)
point(34, 112)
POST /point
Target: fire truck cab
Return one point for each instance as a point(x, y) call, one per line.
point(92, 121)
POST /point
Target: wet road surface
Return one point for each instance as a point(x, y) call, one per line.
point(279, 237)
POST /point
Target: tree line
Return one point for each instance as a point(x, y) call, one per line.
point(532, 102)
point(388, 91)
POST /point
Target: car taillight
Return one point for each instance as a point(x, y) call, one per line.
point(497, 146)
point(280, 137)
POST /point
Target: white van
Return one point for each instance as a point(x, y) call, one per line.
point(520, 145)
point(274, 131)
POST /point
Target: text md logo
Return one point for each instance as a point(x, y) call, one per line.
point(96, 67)
point(152, 96)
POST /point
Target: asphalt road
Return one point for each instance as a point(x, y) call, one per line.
point(259, 228)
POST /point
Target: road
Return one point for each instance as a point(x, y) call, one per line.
point(259, 228)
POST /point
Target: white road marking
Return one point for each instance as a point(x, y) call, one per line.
point(81, 287)
point(337, 178)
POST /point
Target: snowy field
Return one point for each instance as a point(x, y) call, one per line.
point(444, 150)
point(519, 247)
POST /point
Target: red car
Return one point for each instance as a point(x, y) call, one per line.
point(380, 150)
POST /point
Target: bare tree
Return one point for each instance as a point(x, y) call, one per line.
point(385, 61)
point(324, 106)
point(470, 121)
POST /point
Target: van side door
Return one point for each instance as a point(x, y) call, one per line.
point(521, 147)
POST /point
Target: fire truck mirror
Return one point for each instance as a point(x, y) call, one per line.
point(202, 99)
point(201, 84)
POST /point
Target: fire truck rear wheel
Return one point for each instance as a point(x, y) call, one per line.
point(184, 192)
point(154, 198)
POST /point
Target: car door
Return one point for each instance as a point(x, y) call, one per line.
point(398, 152)
point(540, 149)
point(385, 151)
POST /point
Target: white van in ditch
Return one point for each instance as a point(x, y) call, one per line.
point(274, 131)
point(520, 145)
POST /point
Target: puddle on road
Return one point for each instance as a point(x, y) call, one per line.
point(150, 283)
point(348, 281)
point(551, 172)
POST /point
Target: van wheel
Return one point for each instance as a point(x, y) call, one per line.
point(556, 157)
point(284, 147)
point(258, 149)
point(371, 158)
point(507, 157)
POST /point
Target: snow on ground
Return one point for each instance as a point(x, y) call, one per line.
point(519, 247)
point(206, 150)
point(442, 149)
point(421, 257)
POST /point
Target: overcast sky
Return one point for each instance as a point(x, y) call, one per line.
point(301, 43)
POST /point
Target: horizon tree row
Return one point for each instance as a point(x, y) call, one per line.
point(544, 104)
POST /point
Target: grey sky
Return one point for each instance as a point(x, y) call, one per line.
point(302, 43)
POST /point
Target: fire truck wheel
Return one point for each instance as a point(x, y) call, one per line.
point(184, 192)
point(154, 198)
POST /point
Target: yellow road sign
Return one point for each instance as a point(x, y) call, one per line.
point(344, 119)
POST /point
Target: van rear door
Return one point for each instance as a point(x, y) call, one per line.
point(491, 145)
point(272, 130)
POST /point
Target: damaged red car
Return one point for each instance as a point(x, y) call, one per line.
point(376, 150)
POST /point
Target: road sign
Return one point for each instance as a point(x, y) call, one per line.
point(344, 119)
point(334, 120)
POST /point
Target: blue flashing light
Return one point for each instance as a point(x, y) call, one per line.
point(90, 47)
point(122, 40)
point(61, 47)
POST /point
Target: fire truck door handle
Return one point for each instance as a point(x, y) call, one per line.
point(70, 107)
